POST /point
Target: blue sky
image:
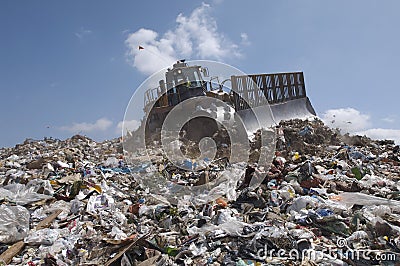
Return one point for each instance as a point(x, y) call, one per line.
point(69, 67)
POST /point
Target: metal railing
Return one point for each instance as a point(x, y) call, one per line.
point(276, 88)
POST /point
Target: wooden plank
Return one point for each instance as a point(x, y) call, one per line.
point(45, 223)
point(7, 256)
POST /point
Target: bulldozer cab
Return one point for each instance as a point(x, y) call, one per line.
point(181, 82)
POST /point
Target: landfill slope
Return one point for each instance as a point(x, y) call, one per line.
point(325, 198)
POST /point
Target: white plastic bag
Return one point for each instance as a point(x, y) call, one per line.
point(14, 223)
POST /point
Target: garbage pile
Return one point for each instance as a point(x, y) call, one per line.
point(327, 199)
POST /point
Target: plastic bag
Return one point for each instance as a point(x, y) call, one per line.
point(111, 162)
point(20, 195)
point(303, 202)
point(351, 198)
point(357, 236)
point(227, 225)
point(117, 234)
point(36, 184)
point(44, 236)
point(381, 210)
point(99, 203)
point(14, 223)
point(76, 206)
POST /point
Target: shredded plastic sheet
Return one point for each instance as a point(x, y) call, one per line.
point(351, 198)
point(21, 194)
point(14, 223)
point(44, 236)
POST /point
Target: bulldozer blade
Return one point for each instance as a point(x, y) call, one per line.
point(297, 108)
point(261, 117)
point(283, 98)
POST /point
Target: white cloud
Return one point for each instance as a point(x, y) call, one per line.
point(101, 124)
point(245, 39)
point(157, 54)
point(82, 33)
point(195, 35)
point(382, 133)
point(127, 126)
point(389, 119)
point(349, 120)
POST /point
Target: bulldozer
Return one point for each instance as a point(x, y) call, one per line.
point(283, 93)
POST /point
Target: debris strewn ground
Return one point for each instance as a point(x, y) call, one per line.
point(327, 199)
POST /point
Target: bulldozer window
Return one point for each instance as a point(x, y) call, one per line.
point(193, 76)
